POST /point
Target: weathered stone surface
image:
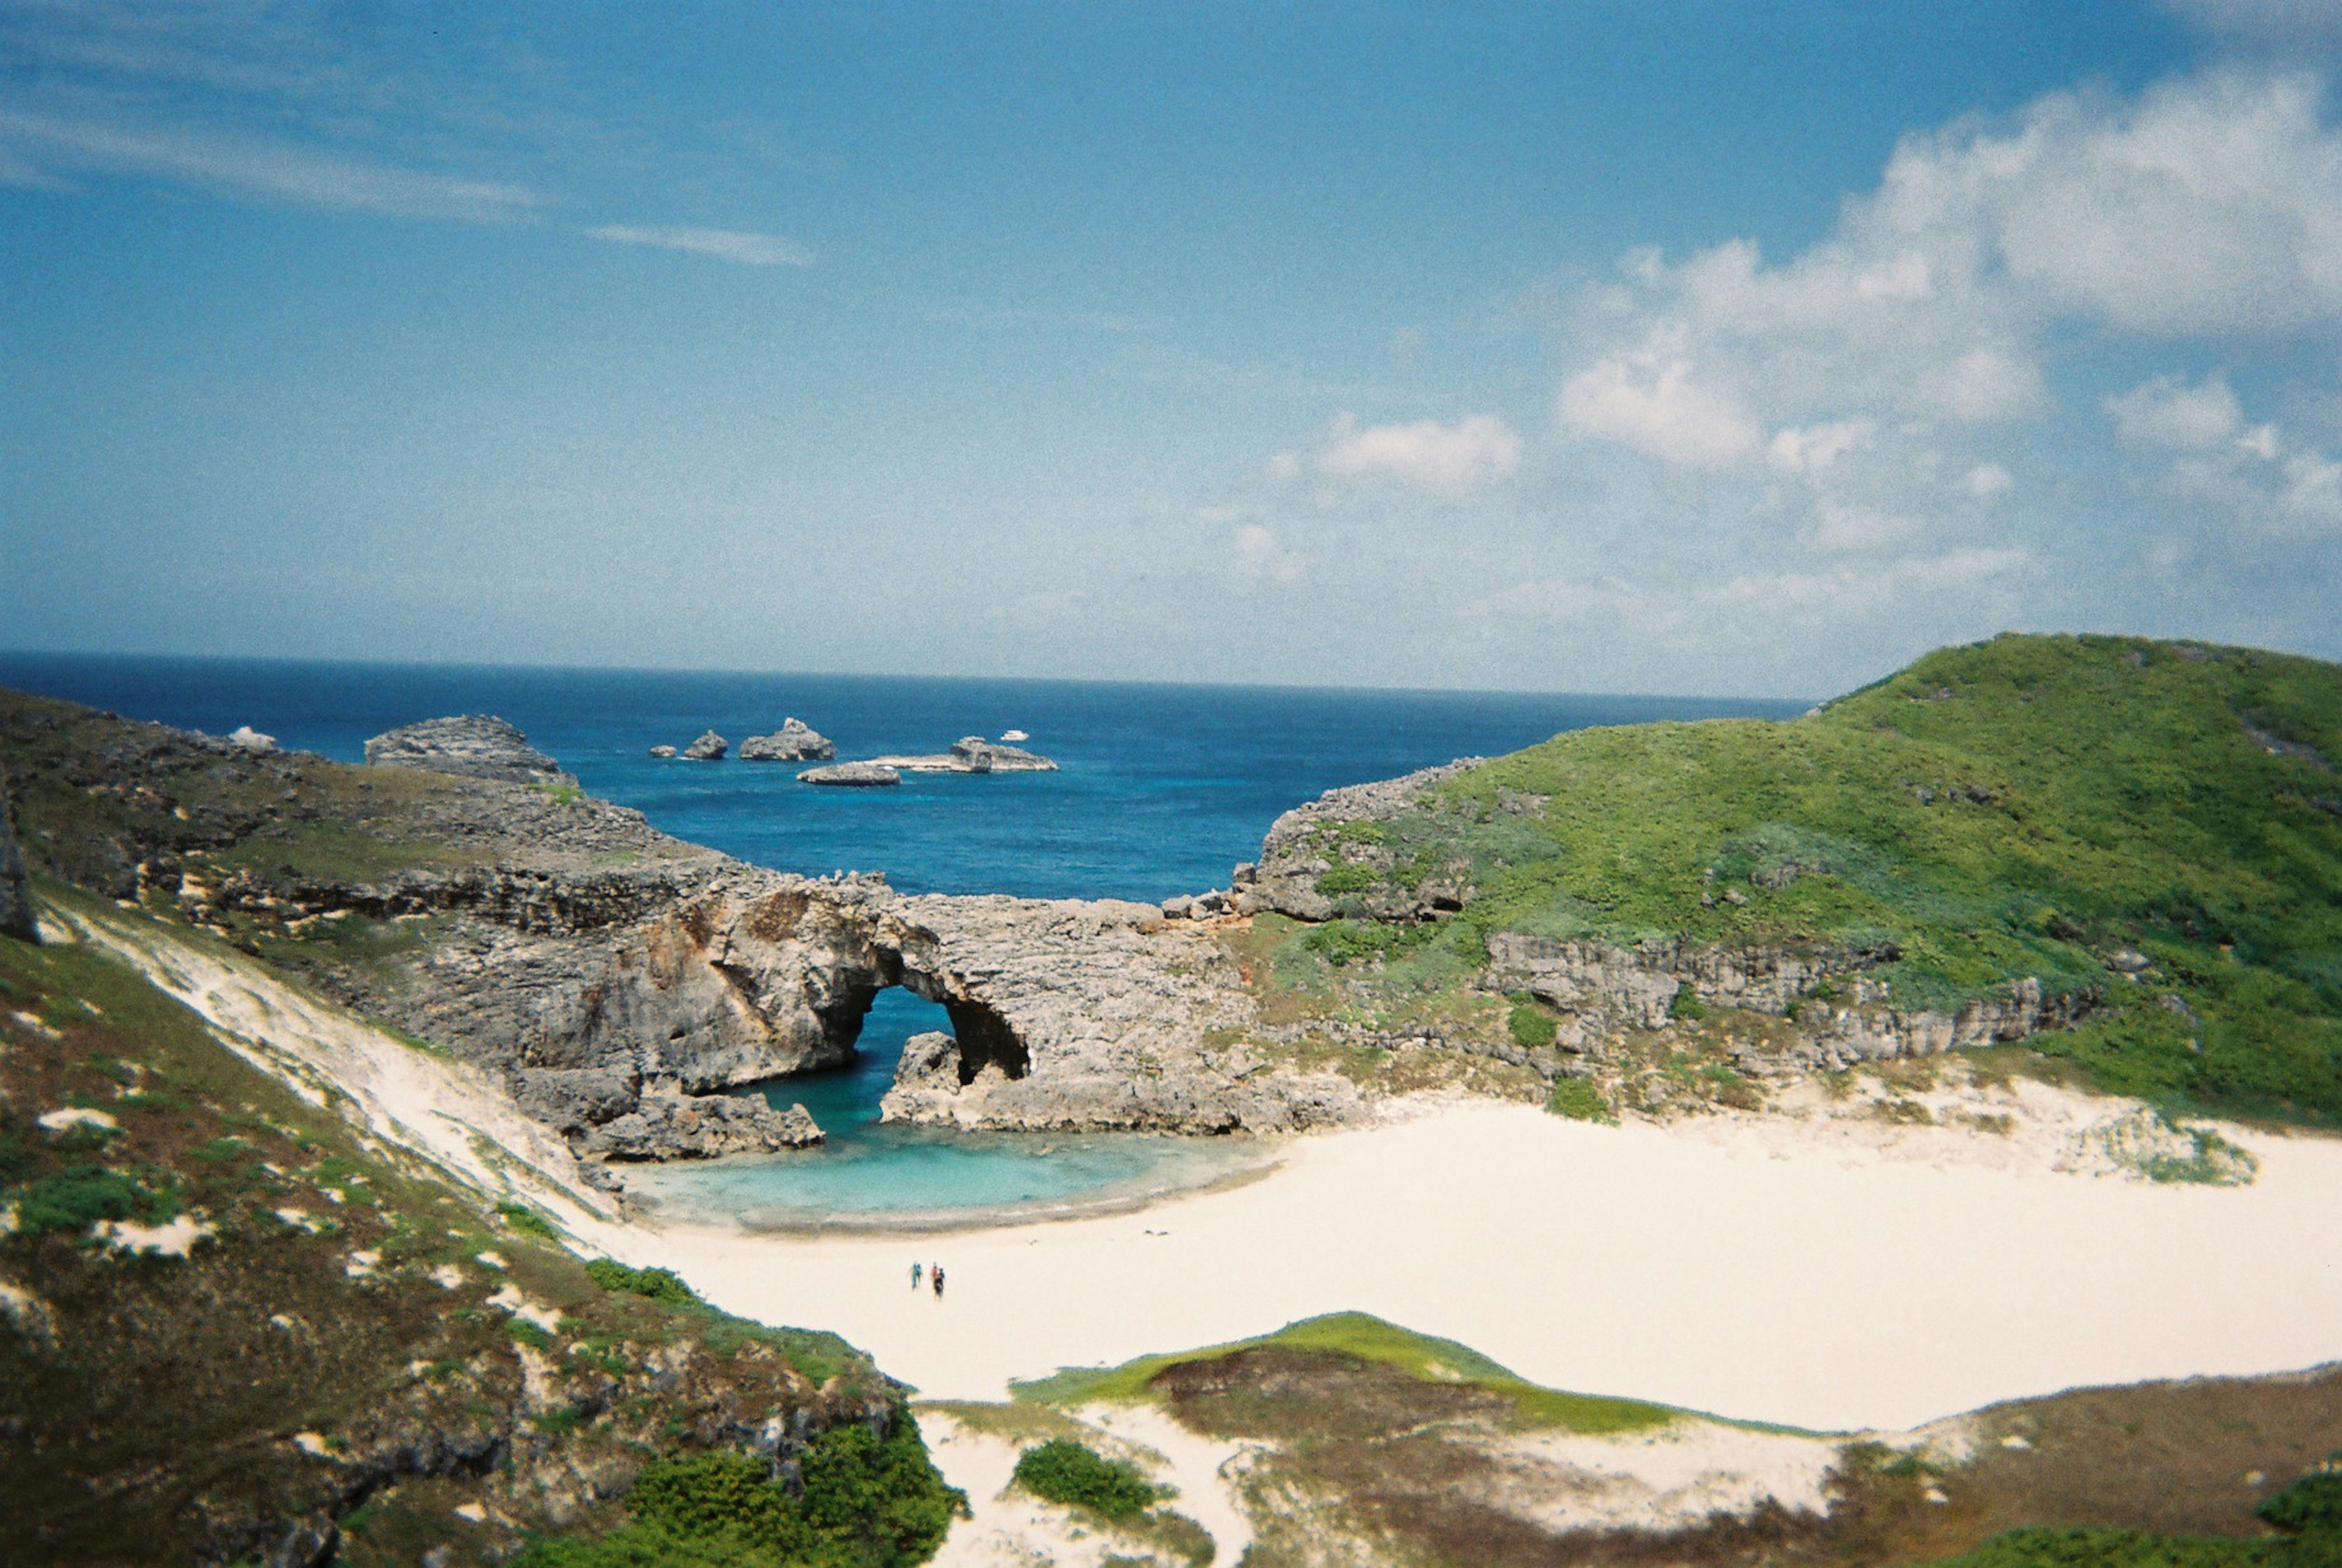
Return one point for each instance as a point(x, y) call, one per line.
point(794, 742)
point(17, 917)
point(709, 747)
point(1602, 988)
point(1284, 880)
point(246, 738)
point(476, 745)
point(991, 756)
point(663, 753)
point(971, 754)
point(852, 776)
point(668, 1126)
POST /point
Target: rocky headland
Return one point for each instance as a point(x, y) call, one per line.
point(476, 745)
point(621, 981)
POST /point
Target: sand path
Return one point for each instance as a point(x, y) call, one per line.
point(1827, 1285)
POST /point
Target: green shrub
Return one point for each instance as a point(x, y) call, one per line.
point(2311, 1504)
point(1064, 1471)
point(862, 1501)
point(1579, 1099)
point(529, 1221)
point(659, 1284)
point(1687, 1005)
point(2049, 1548)
point(1346, 878)
point(1531, 1026)
point(79, 1197)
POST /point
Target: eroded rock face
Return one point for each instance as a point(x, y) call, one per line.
point(1284, 880)
point(17, 917)
point(852, 776)
point(794, 742)
point(476, 745)
point(709, 747)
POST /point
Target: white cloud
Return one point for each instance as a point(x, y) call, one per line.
point(255, 167)
point(1445, 459)
point(2209, 205)
point(1649, 399)
point(2168, 412)
point(1986, 480)
point(730, 245)
point(1817, 446)
point(1259, 558)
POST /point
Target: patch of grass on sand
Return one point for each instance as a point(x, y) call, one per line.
point(1367, 1339)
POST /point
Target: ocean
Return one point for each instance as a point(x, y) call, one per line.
point(1161, 790)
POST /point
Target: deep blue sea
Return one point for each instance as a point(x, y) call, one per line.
point(1161, 790)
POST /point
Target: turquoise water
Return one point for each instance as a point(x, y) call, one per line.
point(877, 1173)
point(1162, 790)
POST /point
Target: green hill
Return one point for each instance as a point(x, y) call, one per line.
point(2031, 806)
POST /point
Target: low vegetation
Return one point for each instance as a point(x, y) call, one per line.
point(1075, 1475)
point(1368, 1341)
point(226, 1315)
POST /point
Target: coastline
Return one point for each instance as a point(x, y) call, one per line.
point(1827, 1287)
point(1860, 1275)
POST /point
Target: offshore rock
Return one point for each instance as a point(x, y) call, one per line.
point(990, 756)
point(17, 917)
point(794, 742)
point(662, 753)
point(709, 747)
point(477, 745)
point(971, 754)
point(852, 776)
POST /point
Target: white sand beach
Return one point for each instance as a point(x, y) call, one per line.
point(1723, 1266)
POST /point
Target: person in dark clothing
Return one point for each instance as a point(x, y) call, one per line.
point(935, 1276)
point(915, 1276)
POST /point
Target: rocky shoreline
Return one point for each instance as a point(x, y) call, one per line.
point(623, 983)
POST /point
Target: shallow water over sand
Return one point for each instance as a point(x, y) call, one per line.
point(872, 1175)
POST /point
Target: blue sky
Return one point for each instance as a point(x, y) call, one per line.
point(1654, 346)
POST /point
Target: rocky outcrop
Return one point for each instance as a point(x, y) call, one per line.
point(1843, 1016)
point(1293, 856)
point(990, 756)
point(971, 754)
point(709, 747)
point(17, 917)
point(671, 1126)
point(663, 753)
point(794, 742)
point(852, 776)
point(476, 745)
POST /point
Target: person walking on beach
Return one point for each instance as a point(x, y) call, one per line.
point(915, 1276)
point(936, 1275)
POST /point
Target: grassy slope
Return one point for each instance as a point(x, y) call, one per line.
point(1365, 1338)
point(2024, 806)
point(153, 1402)
point(1376, 1437)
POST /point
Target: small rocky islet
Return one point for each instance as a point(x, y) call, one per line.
point(795, 741)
